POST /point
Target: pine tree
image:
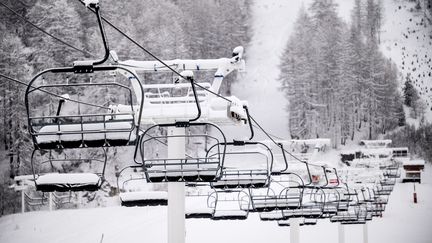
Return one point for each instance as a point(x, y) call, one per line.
point(410, 93)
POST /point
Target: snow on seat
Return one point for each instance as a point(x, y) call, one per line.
point(230, 215)
point(63, 182)
point(143, 198)
point(109, 133)
point(198, 213)
point(272, 215)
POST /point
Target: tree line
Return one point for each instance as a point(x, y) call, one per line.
point(338, 83)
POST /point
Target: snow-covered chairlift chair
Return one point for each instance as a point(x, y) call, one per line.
point(285, 191)
point(230, 205)
point(64, 172)
point(247, 165)
point(135, 191)
point(200, 205)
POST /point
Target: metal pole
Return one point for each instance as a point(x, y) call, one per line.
point(79, 199)
point(176, 190)
point(50, 201)
point(341, 231)
point(365, 233)
point(294, 230)
point(22, 202)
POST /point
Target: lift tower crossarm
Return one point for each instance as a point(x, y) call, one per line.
point(223, 66)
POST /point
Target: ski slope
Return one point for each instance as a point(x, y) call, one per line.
point(272, 24)
point(403, 222)
point(406, 39)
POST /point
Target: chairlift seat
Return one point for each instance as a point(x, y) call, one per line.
point(344, 218)
point(144, 198)
point(99, 134)
point(308, 221)
point(190, 170)
point(230, 215)
point(286, 223)
point(199, 213)
point(349, 222)
point(309, 212)
point(330, 209)
point(270, 203)
point(68, 182)
point(272, 215)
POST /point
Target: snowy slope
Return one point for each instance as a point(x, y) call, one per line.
point(407, 39)
point(272, 24)
point(403, 222)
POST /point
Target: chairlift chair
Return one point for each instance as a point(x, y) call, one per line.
point(135, 191)
point(285, 192)
point(348, 217)
point(312, 206)
point(247, 165)
point(230, 205)
point(200, 205)
point(58, 173)
point(290, 197)
point(194, 166)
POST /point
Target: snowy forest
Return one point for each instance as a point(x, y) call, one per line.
point(338, 83)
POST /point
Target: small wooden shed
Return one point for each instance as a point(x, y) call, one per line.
point(413, 170)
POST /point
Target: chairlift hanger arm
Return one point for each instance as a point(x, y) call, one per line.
point(222, 65)
point(250, 122)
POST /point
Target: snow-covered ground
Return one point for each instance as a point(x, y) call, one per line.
point(403, 222)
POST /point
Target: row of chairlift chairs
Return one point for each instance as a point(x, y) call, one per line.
point(228, 179)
